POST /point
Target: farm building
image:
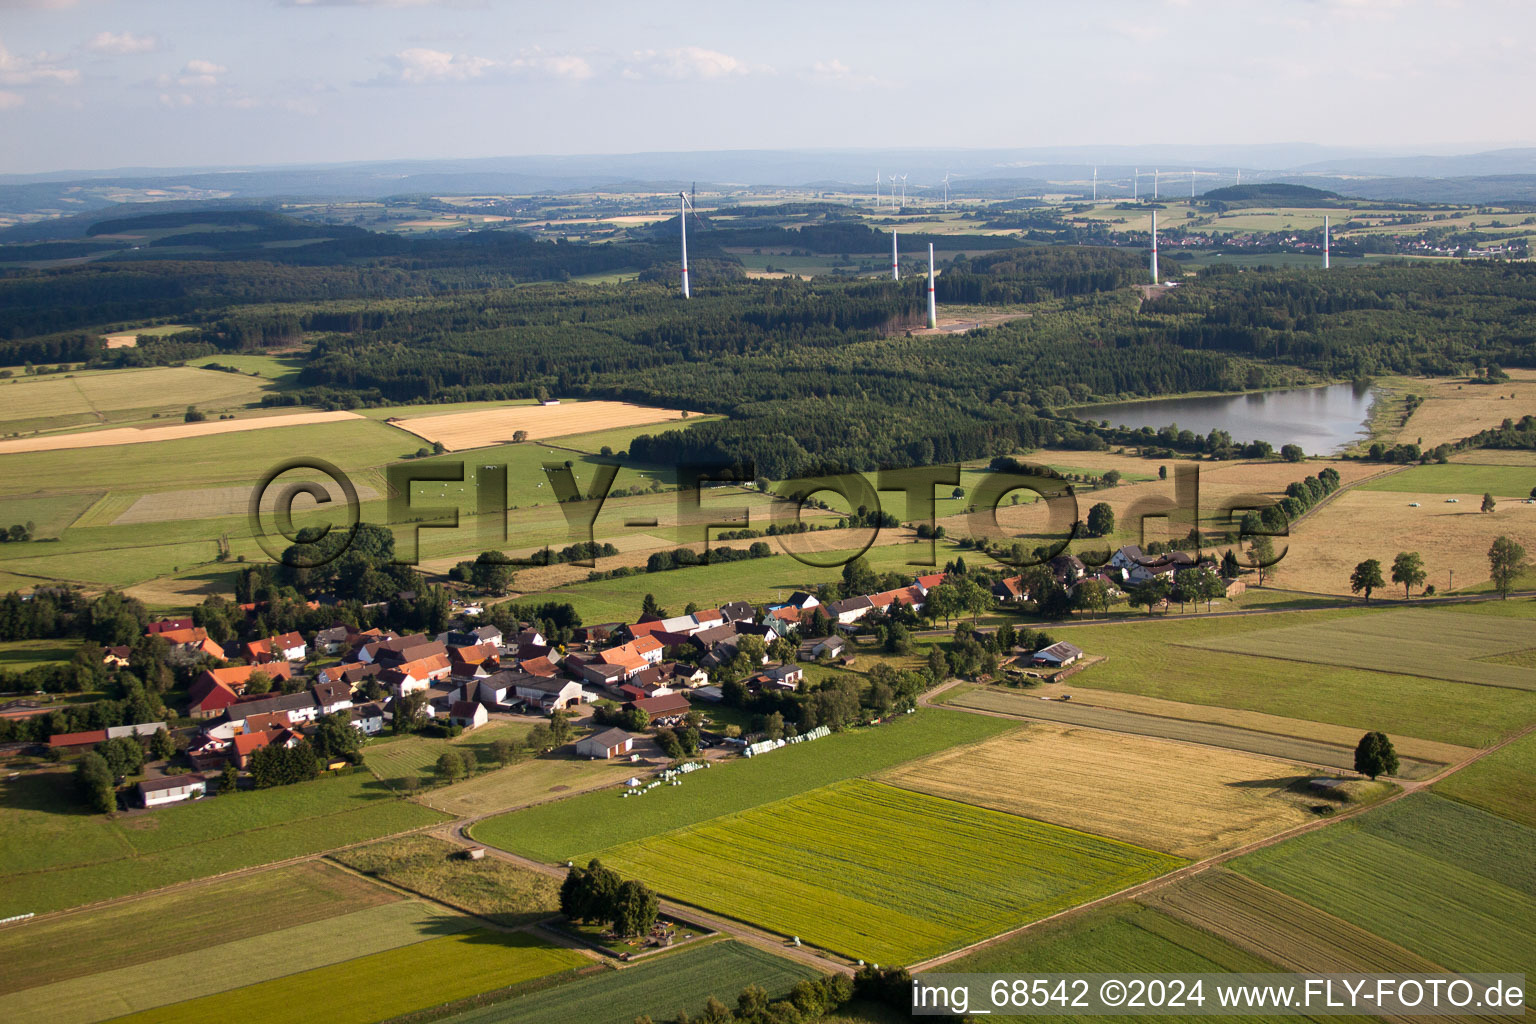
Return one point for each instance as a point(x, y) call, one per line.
point(467, 714)
point(548, 694)
point(831, 646)
point(606, 744)
point(71, 740)
point(1058, 655)
point(171, 789)
point(662, 709)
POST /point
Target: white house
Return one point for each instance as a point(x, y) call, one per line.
point(368, 718)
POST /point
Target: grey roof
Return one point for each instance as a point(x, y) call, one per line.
point(283, 702)
point(542, 684)
point(366, 711)
point(735, 611)
point(850, 604)
point(1062, 650)
point(609, 737)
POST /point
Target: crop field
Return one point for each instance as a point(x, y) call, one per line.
point(495, 889)
point(488, 426)
point(1504, 782)
point(48, 515)
point(206, 503)
point(1280, 928)
point(55, 856)
point(1463, 881)
point(657, 986)
point(578, 827)
point(822, 866)
point(120, 396)
point(1171, 660)
point(1462, 478)
point(172, 432)
point(1453, 409)
point(1120, 938)
point(183, 921)
point(217, 966)
point(1430, 642)
point(1185, 800)
point(384, 985)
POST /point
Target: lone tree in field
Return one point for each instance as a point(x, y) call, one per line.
point(1366, 577)
point(1506, 559)
point(1488, 502)
point(1101, 520)
point(1408, 569)
point(1374, 755)
point(1292, 453)
point(1262, 554)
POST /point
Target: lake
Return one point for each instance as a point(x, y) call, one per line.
point(1322, 420)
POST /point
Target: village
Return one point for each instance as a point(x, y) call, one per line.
point(661, 684)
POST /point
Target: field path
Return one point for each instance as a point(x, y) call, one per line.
point(1406, 787)
point(145, 435)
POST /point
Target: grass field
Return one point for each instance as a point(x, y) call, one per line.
point(1453, 409)
point(1463, 881)
point(1430, 642)
point(1171, 660)
point(20, 655)
point(394, 759)
point(383, 985)
point(504, 893)
point(823, 866)
point(1185, 800)
point(54, 856)
point(658, 986)
point(529, 781)
point(578, 827)
point(1120, 938)
point(1504, 782)
point(1459, 478)
point(120, 396)
point(216, 967)
point(1280, 928)
point(183, 921)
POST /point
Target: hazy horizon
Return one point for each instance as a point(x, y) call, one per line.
point(92, 86)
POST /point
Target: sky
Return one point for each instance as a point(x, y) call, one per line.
point(90, 84)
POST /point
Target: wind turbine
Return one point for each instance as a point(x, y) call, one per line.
point(1191, 183)
point(946, 190)
point(895, 260)
point(1325, 241)
point(1154, 184)
point(903, 191)
point(933, 309)
point(1136, 188)
point(877, 190)
point(1095, 184)
point(1154, 247)
point(682, 199)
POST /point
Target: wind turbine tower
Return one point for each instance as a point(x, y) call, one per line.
point(877, 190)
point(1191, 183)
point(933, 309)
point(895, 262)
point(682, 200)
point(1136, 186)
point(1154, 185)
point(1095, 184)
point(1325, 241)
point(1154, 247)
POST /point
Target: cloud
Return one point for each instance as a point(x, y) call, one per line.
point(10, 100)
point(38, 69)
point(197, 74)
point(419, 65)
point(119, 44)
point(373, 3)
point(687, 62)
point(836, 71)
point(425, 66)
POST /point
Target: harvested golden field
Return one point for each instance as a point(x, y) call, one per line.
point(1187, 800)
point(1454, 409)
point(209, 502)
point(1280, 928)
point(1257, 721)
point(146, 435)
point(1496, 457)
point(1326, 546)
point(460, 430)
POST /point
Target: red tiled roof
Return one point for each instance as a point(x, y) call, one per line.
point(77, 739)
point(670, 704)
